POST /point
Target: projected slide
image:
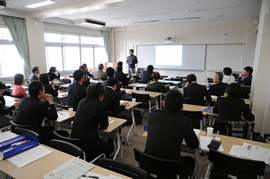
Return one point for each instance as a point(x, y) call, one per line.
point(169, 55)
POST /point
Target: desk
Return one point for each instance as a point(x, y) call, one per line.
point(64, 115)
point(62, 95)
point(44, 165)
point(10, 100)
point(170, 82)
point(214, 98)
point(65, 85)
point(138, 85)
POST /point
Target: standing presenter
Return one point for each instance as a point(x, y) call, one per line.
point(131, 61)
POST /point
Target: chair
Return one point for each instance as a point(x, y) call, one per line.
point(241, 129)
point(196, 118)
point(14, 125)
point(123, 168)
point(64, 106)
point(140, 70)
point(67, 147)
point(67, 81)
point(17, 96)
point(222, 166)
point(144, 100)
point(21, 131)
point(157, 167)
point(74, 141)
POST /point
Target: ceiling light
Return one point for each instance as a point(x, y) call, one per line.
point(146, 21)
point(40, 4)
point(185, 18)
point(153, 14)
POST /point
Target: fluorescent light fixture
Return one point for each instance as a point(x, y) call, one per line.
point(185, 18)
point(153, 14)
point(140, 22)
point(40, 4)
point(89, 22)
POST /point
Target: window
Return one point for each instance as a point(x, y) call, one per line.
point(68, 52)
point(9, 55)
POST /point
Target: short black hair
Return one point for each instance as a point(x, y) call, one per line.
point(94, 91)
point(150, 68)
point(227, 71)
point(119, 69)
point(120, 63)
point(233, 90)
point(44, 78)
point(35, 69)
point(52, 69)
point(82, 67)
point(85, 65)
point(156, 75)
point(78, 74)
point(2, 85)
point(219, 76)
point(100, 66)
point(131, 50)
point(249, 69)
point(110, 72)
point(18, 79)
point(35, 87)
point(191, 78)
point(112, 81)
point(174, 101)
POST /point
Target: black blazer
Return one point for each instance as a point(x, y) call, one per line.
point(49, 90)
point(196, 93)
point(3, 109)
point(218, 89)
point(247, 80)
point(231, 109)
point(166, 131)
point(120, 76)
point(146, 76)
point(118, 89)
point(76, 92)
point(112, 100)
point(53, 76)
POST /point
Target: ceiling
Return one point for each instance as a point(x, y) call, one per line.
point(119, 13)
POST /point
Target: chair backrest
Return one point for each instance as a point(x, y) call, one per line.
point(123, 168)
point(14, 125)
point(74, 141)
point(157, 167)
point(67, 147)
point(67, 81)
point(21, 131)
point(17, 96)
point(140, 70)
point(64, 106)
point(242, 129)
point(194, 102)
point(224, 165)
point(195, 116)
point(143, 98)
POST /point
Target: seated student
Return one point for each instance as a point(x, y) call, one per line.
point(32, 110)
point(4, 118)
point(86, 82)
point(100, 74)
point(49, 88)
point(89, 119)
point(53, 73)
point(76, 91)
point(87, 72)
point(231, 108)
point(121, 77)
point(17, 89)
point(112, 98)
point(219, 88)
point(194, 92)
point(245, 78)
point(147, 75)
point(34, 74)
point(119, 64)
point(227, 76)
point(157, 86)
point(167, 129)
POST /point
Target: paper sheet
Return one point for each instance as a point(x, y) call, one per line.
point(95, 175)
point(236, 150)
point(29, 156)
point(204, 141)
point(74, 168)
point(197, 132)
point(254, 152)
point(110, 121)
point(6, 136)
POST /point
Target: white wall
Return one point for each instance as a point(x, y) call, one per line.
point(201, 32)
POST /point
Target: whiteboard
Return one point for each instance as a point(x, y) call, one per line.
point(220, 56)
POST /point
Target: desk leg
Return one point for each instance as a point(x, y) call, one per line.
point(195, 173)
point(157, 103)
point(160, 102)
point(131, 127)
point(118, 145)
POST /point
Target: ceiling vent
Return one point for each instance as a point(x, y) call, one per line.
point(89, 22)
point(3, 4)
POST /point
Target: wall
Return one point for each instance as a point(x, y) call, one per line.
point(201, 32)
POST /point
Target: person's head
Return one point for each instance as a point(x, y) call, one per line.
point(174, 101)
point(36, 89)
point(248, 70)
point(191, 78)
point(110, 72)
point(233, 90)
point(44, 78)
point(156, 76)
point(227, 71)
point(82, 67)
point(85, 65)
point(95, 91)
point(52, 69)
point(18, 79)
point(2, 88)
point(131, 51)
point(218, 77)
point(150, 68)
point(36, 70)
point(112, 83)
point(119, 69)
point(79, 76)
point(119, 64)
point(100, 66)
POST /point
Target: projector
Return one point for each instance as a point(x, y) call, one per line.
point(169, 40)
point(3, 4)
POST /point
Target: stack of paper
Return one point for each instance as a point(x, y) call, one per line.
point(94, 175)
point(205, 141)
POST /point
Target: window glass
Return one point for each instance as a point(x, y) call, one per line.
point(71, 39)
point(87, 56)
point(4, 34)
point(71, 58)
point(53, 37)
point(54, 57)
point(100, 56)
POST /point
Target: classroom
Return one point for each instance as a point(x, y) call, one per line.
point(75, 48)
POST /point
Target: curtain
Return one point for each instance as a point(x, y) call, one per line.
point(17, 29)
point(107, 44)
point(112, 54)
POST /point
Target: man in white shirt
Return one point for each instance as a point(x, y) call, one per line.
point(227, 76)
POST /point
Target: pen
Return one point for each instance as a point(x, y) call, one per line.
point(89, 176)
point(19, 143)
